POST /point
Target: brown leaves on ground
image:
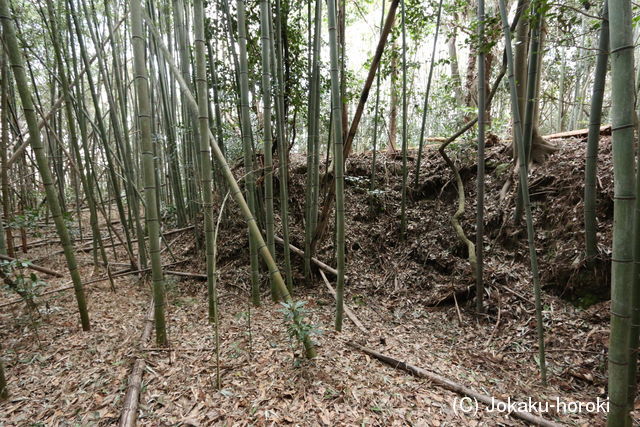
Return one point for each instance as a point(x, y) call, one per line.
point(401, 291)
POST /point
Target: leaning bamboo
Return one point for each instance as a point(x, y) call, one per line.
point(17, 65)
point(34, 267)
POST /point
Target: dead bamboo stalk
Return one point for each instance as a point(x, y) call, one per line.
point(315, 261)
point(130, 406)
point(114, 275)
point(89, 245)
point(452, 386)
point(34, 267)
point(350, 314)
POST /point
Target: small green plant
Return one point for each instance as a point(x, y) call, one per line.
point(295, 316)
point(28, 220)
point(169, 214)
point(27, 285)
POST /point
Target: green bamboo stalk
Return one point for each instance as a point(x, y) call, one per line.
point(283, 149)
point(216, 100)
point(376, 117)
point(311, 195)
point(482, 92)
point(191, 126)
point(234, 188)
point(102, 131)
point(517, 126)
point(73, 140)
point(4, 392)
point(595, 120)
point(17, 66)
point(405, 172)
point(265, 37)
point(622, 119)
point(338, 165)
point(175, 176)
point(205, 153)
point(529, 100)
point(126, 152)
point(250, 186)
point(535, 22)
point(4, 144)
point(146, 143)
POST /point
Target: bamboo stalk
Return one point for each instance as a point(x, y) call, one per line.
point(350, 314)
point(17, 65)
point(34, 267)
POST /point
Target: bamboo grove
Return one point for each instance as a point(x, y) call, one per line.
point(149, 115)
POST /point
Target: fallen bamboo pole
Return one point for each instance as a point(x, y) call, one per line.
point(129, 414)
point(87, 247)
point(453, 386)
point(350, 314)
point(34, 267)
point(315, 261)
point(186, 274)
point(114, 275)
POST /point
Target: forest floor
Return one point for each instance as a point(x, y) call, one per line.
point(415, 298)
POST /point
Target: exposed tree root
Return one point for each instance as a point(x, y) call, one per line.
point(455, 219)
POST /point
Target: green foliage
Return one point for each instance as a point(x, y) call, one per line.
point(169, 214)
point(28, 219)
point(295, 315)
point(27, 284)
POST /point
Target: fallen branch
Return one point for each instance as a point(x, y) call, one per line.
point(186, 274)
point(35, 267)
point(604, 130)
point(350, 314)
point(452, 386)
point(315, 261)
point(172, 349)
point(114, 275)
point(88, 247)
point(130, 406)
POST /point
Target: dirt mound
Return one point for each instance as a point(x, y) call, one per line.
point(433, 261)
